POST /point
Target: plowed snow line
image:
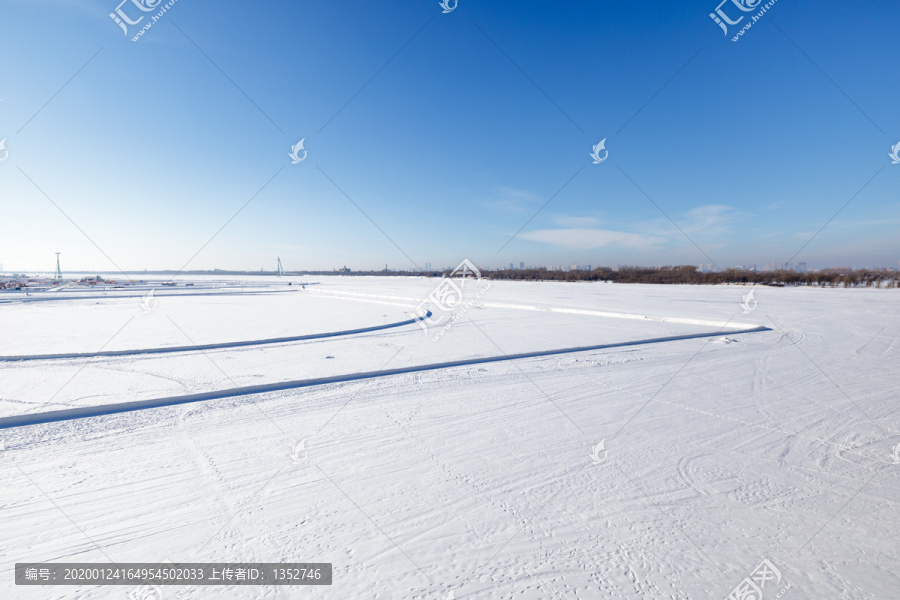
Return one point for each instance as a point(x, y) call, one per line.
point(108, 409)
point(168, 349)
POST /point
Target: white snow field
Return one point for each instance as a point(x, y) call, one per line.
point(482, 481)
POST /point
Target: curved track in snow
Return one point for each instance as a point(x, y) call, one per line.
point(108, 409)
point(113, 295)
point(169, 349)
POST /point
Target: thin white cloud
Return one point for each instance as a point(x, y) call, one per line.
point(570, 221)
point(515, 193)
point(513, 200)
point(588, 239)
point(710, 219)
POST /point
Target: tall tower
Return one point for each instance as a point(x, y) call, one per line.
point(280, 270)
point(58, 272)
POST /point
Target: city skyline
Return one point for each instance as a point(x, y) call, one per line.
point(798, 267)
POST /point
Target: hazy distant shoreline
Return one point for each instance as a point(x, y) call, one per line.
point(683, 275)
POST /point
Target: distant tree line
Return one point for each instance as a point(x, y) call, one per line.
point(688, 274)
point(685, 275)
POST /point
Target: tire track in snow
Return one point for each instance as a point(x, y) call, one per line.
point(201, 347)
point(120, 407)
point(107, 295)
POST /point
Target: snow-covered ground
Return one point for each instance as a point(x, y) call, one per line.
point(484, 480)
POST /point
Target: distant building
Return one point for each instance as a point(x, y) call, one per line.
point(801, 267)
point(775, 266)
point(521, 266)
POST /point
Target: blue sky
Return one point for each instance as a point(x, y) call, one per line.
point(450, 132)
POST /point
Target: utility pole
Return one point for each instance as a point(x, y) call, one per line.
point(280, 270)
point(58, 272)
